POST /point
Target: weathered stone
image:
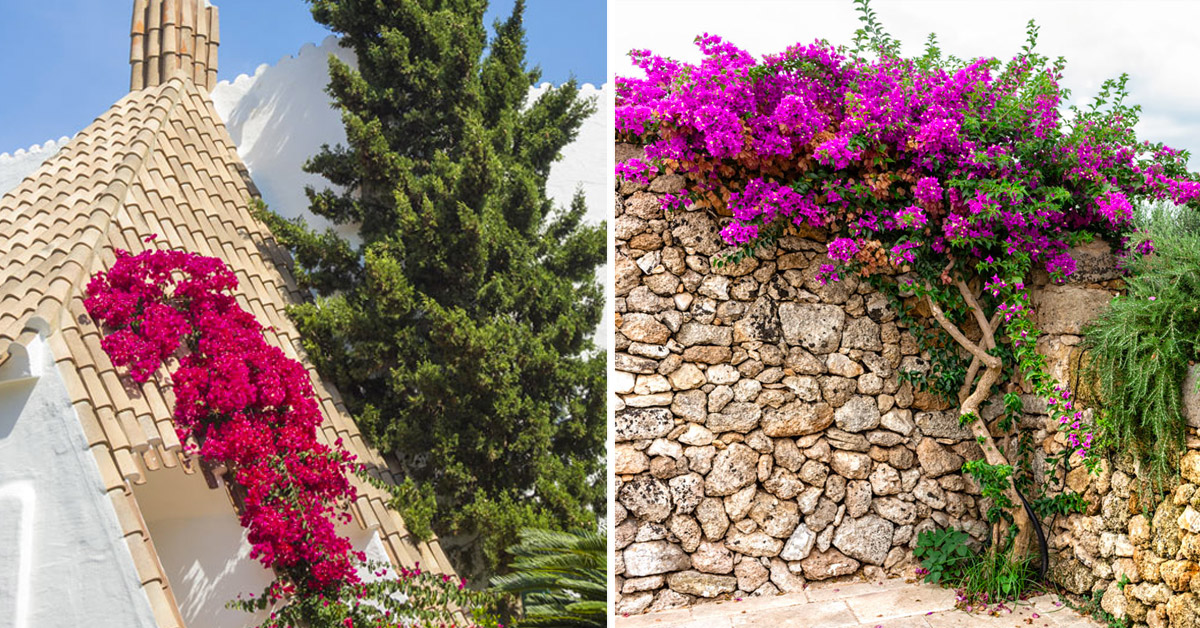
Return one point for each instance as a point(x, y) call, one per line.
point(859, 414)
point(1066, 309)
point(693, 582)
point(642, 423)
point(735, 417)
point(686, 492)
point(1191, 396)
point(707, 354)
point(690, 406)
point(686, 530)
point(759, 324)
point(1073, 575)
point(696, 435)
point(800, 544)
point(737, 505)
point(634, 603)
point(644, 328)
point(866, 539)
point(1189, 466)
point(1183, 611)
point(648, 583)
point(803, 362)
point(756, 543)
point(807, 499)
point(751, 575)
point(828, 564)
point(837, 390)
point(654, 557)
point(712, 517)
point(712, 558)
point(862, 333)
point(629, 461)
point(814, 473)
point(885, 480)
point(667, 599)
point(783, 578)
point(942, 425)
point(699, 334)
point(687, 377)
point(850, 465)
point(930, 494)
point(841, 365)
point(1152, 593)
point(816, 327)
point(733, 469)
point(794, 419)
point(1179, 574)
point(1114, 601)
point(936, 459)
point(721, 374)
point(775, 517)
point(894, 510)
point(646, 498)
point(787, 454)
point(858, 498)
point(898, 420)
point(697, 231)
point(783, 484)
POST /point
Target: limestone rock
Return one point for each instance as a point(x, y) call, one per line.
point(816, 327)
point(642, 423)
point(646, 498)
point(885, 480)
point(828, 564)
point(936, 459)
point(942, 425)
point(1073, 575)
point(1184, 611)
point(712, 517)
point(867, 539)
point(1066, 309)
point(776, 518)
point(654, 557)
point(644, 328)
point(712, 558)
point(799, 545)
point(736, 417)
point(784, 579)
point(756, 543)
point(858, 498)
point(851, 465)
point(859, 414)
point(634, 603)
point(794, 419)
point(751, 575)
point(862, 333)
point(734, 468)
point(693, 582)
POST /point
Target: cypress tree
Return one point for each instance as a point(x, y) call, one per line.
point(459, 325)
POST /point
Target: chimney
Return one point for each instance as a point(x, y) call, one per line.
point(172, 38)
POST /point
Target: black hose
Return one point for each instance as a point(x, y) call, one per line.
point(1041, 535)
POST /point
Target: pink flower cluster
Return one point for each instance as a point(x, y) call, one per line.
point(239, 402)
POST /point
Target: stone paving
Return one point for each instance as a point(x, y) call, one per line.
point(894, 603)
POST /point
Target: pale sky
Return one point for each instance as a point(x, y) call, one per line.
point(1157, 43)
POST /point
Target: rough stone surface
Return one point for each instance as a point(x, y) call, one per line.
point(815, 327)
point(866, 539)
point(654, 557)
point(733, 469)
point(693, 582)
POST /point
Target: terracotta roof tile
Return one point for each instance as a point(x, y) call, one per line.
point(158, 162)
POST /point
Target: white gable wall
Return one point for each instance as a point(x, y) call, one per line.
point(63, 561)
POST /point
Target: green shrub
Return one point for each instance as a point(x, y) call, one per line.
point(943, 553)
point(1139, 349)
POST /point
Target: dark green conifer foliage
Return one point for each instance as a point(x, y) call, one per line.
point(460, 330)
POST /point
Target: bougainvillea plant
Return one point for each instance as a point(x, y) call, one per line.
point(245, 405)
point(949, 182)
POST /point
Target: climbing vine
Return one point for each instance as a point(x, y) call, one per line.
point(953, 181)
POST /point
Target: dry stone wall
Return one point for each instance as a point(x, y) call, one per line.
point(1141, 561)
point(764, 435)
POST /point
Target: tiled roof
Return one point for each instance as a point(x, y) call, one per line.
point(158, 162)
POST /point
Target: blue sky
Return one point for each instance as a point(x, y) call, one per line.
point(66, 61)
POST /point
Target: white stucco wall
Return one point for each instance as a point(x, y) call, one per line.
point(205, 552)
point(21, 163)
point(63, 561)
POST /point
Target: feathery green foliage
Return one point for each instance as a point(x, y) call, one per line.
point(1139, 350)
point(459, 327)
point(561, 578)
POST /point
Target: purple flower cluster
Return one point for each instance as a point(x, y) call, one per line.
point(937, 157)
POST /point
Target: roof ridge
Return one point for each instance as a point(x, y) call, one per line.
point(94, 231)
